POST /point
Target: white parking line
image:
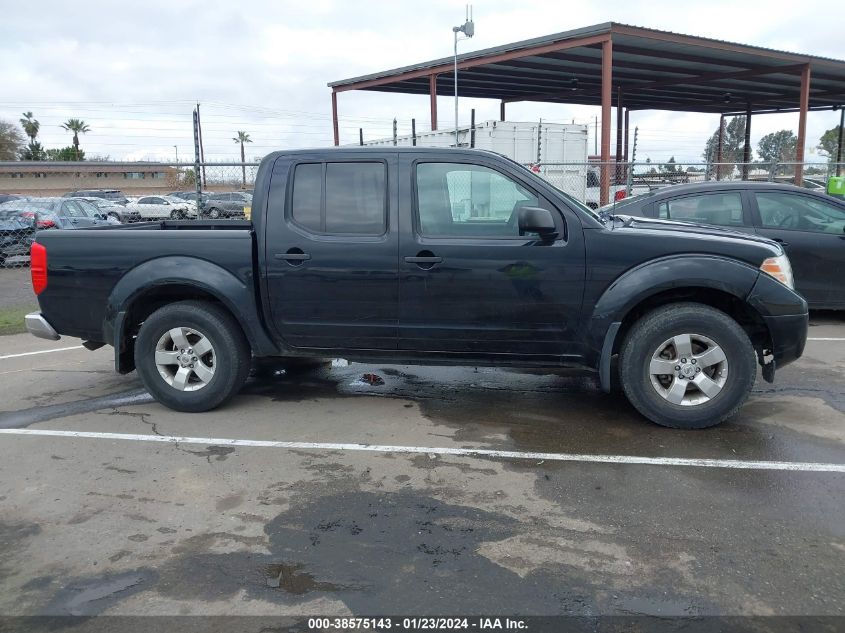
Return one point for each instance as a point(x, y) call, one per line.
point(43, 351)
point(826, 339)
point(472, 452)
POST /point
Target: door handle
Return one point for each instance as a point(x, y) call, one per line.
point(425, 260)
point(294, 256)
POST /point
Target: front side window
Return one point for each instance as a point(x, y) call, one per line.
point(73, 210)
point(340, 198)
point(721, 209)
point(800, 213)
point(462, 200)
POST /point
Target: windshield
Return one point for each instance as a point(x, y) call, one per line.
point(620, 204)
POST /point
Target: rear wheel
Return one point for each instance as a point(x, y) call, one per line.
point(687, 366)
point(214, 213)
point(192, 356)
point(115, 216)
point(176, 215)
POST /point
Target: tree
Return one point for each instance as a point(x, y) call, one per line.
point(778, 147)
point(66, 153)
point(733, 144)
point(30, 126)
point(242, 138)
point(827, 143)
point(77, 126)
point(670, 166)
point(11, 141)
point(33, 151)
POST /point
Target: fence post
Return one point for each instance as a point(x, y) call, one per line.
point(472, 128)
point(394, 131)
point(197, 163)
point(539, 140)
point(360, 136)
point(414, 132)
point(629, 185)
point(773, 169)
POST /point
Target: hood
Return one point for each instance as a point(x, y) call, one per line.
point(706, 232)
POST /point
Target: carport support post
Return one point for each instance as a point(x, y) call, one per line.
point(746, 153)
point(606, 98)
point(334, 119)
point(502, 110)
point(432, 92)
point(840, 147)
point(719, 146)
point(625, 142)
point(802, 124)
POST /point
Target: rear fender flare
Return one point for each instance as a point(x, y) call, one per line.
point(236, 295)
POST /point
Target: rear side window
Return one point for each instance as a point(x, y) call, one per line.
point(340, 198)
point(721, 209)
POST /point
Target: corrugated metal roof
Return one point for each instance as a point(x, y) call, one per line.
point(655, 69)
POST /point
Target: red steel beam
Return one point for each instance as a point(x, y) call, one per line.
point(432, 91)
point(606, 98)
point(477, 61)
point(335, 126)
point(802, 123)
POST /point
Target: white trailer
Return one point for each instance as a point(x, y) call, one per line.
point(562, 154)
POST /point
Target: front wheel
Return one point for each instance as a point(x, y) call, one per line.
point(192, 356)
point(177, 215)
point(687, 366)
point(214, 214)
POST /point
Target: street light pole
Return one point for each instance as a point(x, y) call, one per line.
point(468, 29)
point(176, 147)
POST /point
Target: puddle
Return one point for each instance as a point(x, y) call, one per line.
point(292, 579)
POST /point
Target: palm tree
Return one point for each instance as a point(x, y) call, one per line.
point(77, 126)
point(30, 126)
point(242, 138)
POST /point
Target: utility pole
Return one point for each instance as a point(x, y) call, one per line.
point(202, 152)
point(176, 147)
point(468, 29)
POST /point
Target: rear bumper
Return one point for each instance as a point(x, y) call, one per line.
point(38, 326)
point(789, 335)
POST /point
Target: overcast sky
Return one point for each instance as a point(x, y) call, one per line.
point(133, 70)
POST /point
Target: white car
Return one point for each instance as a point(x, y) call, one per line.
point(158, 207)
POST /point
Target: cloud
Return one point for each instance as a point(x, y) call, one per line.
point(133, 71)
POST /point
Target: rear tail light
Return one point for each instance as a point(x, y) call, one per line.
point(619, 195)
point(45, 224)
point(38, 267)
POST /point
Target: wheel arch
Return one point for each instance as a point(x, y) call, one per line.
point(162, 281)
point(721, 283)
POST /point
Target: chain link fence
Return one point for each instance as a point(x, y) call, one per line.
point(54, 195)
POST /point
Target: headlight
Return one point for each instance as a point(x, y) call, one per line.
point(779, 268)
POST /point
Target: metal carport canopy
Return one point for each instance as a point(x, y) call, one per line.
point(638, 68)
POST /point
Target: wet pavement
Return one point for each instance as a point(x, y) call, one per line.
point(93, 525)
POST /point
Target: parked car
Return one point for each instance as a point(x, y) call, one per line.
point(160, 207)
point(227, 205)
point(16, 232)
point(111, 209)
point(190, 196)
point(810, 225)
point(473, 260)
point(59, 213)
point(115, 195)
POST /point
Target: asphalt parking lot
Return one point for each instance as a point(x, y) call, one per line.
point(444, 490)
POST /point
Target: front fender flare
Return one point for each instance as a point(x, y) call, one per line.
point(653, 277)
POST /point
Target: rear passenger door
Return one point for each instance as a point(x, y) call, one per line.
point(331, 252)
point(728, 209)
point(76, 215)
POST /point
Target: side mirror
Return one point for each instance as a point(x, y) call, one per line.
point(537, 220)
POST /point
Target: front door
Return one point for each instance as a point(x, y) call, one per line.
point(470, 284)
point(812, 232)
point(331, 252)
point(76, 215)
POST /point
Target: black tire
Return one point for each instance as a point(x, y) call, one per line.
point(214, 213)
point(116, 217)
point(176, 215)
point(231, 354)
point(647, 336)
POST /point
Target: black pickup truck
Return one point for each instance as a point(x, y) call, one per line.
point(427, 256)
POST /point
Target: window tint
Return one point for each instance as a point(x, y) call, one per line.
point(72, 209)
point(800, 213)
point(355, 198)
point(307, 196)
point(468, 201)
point(721, 209)
point(351, 202)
